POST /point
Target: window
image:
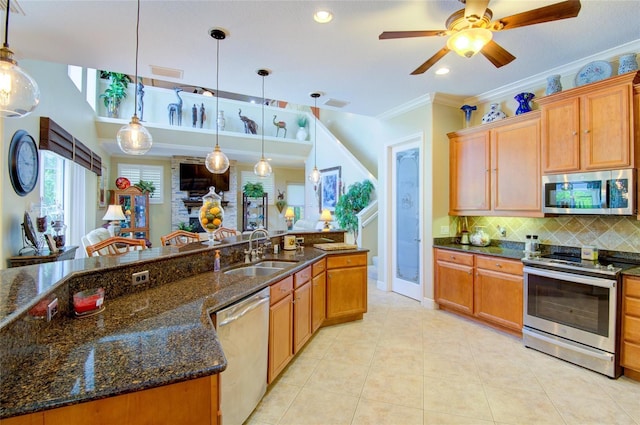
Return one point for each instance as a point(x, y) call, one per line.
point(267, 183)
point(152, 173)
point(295, 199)
point(75, 73)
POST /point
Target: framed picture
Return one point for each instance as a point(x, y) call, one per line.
point(102, 188)
point(330, 181)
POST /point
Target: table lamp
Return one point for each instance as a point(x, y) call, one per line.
point(289, 215)
point(115, 214)
point(326, 217)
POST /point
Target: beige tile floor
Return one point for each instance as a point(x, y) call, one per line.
point(404, 365)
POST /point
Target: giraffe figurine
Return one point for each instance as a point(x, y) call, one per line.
point(175, 109)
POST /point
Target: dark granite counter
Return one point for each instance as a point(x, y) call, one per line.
point(511, 250)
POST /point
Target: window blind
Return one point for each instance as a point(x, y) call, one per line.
point(152, 173)
point(58, 140)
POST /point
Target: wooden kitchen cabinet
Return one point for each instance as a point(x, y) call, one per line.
point(589, 127)
point(301, 309)
point(495, 169)
point(135, 205)
point(346, 287)
point(454, 280)
point(280, 327)
point(318, 294)
point(630, 335)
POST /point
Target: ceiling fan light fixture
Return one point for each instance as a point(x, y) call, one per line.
point(468, 42)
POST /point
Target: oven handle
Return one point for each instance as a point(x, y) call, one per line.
point(556, 341)
point(570, 277)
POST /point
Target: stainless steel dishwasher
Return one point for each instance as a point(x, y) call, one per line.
point(243, 330)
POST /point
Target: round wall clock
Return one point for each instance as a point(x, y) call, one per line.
point(23, 162)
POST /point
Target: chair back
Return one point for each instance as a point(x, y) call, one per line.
point(115, 245)
point(179, 237)
point(224, 232)
point(93, 237)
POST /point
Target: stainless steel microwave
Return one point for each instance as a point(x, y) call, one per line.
point(598, 192)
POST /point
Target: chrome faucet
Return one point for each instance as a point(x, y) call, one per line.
point(260, 230)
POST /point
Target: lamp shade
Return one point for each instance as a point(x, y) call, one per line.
point(114, 212)
point(19, 93)
point(134, 138)
point(217, 162)
point(468, 42)
point(289, 213)
point(326, 215)
point(262, 168)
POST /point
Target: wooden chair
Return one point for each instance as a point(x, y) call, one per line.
point(224, 232)
point(115, 245)
point(179, 237)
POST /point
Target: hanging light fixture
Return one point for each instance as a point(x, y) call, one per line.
point(19, 93)
point(262, 167)
point(217, 162)
point(133, 138)
point(314, 177)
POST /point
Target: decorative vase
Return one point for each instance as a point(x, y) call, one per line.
point(221, 122)
point(553, 84)
point(523, 102)
point(468, 109)
point(301, 135)
point(494, 114)
point(211, 214)
point(112, 108)
point(627, 63)
point(479, 237)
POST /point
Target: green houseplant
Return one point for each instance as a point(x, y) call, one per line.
point(146, 187)
point(115, 92)
point(351, 203)
point(253, 190)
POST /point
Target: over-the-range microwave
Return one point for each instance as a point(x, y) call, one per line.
point(598, 192)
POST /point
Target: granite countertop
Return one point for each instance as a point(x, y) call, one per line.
point(512, 251)
point(141, 340)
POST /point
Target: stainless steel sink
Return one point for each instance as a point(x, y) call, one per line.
point(252, 271)
point(275, 263)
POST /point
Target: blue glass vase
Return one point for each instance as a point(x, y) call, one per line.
point(523, 102)
point(468, 109)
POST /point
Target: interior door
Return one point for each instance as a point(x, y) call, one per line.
point(406, 221)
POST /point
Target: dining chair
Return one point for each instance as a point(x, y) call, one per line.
point(179, 237)
point(115, 245)
point(224, 232)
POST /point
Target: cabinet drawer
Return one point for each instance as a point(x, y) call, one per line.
point(499, 264)
point(630, 356)
point(631, 329)
point(353, 260)
point(319, 267)
point(281, 289)
point(454, 257)
point(632, 306)
point(632, 287)
point(302, 277)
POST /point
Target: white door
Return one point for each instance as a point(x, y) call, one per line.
point(406, 220)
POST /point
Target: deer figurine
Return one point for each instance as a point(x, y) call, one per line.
point(175, 109)
point(250, 126)
point(280, 125)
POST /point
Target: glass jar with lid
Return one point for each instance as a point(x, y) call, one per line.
point(211, 213)
point(479, 237)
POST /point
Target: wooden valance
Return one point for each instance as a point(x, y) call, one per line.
point(58, 140)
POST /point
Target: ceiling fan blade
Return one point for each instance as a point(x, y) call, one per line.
point(553, 12)
point(474, 10)
point(407, 34)
point(431, 61)
point(496, 54)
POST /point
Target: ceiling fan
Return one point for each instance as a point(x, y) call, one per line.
point(471, 29)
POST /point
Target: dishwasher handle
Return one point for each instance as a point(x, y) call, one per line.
point(235, 312)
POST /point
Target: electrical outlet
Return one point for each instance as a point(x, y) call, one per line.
point(52, 309)
point(444, 230)
point(140, 277)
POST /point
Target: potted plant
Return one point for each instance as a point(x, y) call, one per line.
point(187, 227)
point(253, 190)
point(301, 135)
point(115, 92)
point(146, 187)
point(351, 203)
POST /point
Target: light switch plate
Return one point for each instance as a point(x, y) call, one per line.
point(444, 230)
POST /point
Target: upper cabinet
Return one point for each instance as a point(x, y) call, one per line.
point(590, 127)
point(495, 169)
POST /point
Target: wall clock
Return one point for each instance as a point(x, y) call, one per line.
point(23, 162)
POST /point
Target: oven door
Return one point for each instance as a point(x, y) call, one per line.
point(572, 306)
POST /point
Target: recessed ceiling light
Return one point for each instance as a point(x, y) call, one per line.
point(442, 71)
point(323, 16)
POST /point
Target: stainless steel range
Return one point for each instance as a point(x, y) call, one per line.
point(571, 310)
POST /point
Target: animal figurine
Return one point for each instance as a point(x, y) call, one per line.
point(194, 115)
point(250, 126)
point(140, 94)
point(280, 125)
point(175, 109)
point(203, 115)
point(280, 195)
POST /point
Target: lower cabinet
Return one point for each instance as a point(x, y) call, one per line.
point(346, 287)
point(630, 339)
point(280, 327)
point(301, 309)
point(318, 294)
point(190, 402)
point(485, 287)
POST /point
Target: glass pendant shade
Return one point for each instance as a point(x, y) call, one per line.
point(133, 138)
point(19, 93)
point(262, 168)
point(468, 42)
point(217, 162)
point(314, 176)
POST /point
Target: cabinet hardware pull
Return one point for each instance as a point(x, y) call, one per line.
point(499, 265)
point(575, 133)
point(586, 132)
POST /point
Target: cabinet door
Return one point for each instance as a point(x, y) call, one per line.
point(515, 168)
point(318, 300)
point(280, 336)
point(301, 316)
point(469, 178)
point(560, 125)
point(606, 128)
point(498, 298)
point(346, 291)
point(454, 286)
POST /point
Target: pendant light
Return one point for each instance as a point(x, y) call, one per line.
point(133, 138)
point(217, 162)
point(19, 93)
point(262, 167)
point(314, 177)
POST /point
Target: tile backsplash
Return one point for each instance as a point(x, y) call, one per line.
point(610, 233)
